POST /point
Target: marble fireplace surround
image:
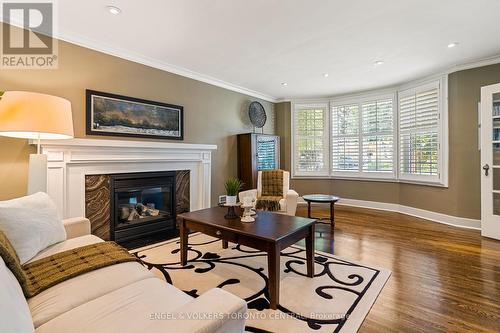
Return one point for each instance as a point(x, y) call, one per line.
point(69, 161)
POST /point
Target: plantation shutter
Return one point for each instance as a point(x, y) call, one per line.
point(345, 138)
point(378, 136)
point(419, 133)
point(310, 140)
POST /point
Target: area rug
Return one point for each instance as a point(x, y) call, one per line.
point(337, 299)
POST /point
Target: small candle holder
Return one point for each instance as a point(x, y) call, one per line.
point(231, 213)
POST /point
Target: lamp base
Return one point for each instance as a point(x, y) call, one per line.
point(37, 173)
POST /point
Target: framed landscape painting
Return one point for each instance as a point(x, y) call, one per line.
point(110, 114)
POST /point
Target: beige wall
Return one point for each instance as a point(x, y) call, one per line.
point(283, 122)
point(462, 197)
point(212, 115)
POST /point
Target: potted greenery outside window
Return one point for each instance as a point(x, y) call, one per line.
point(233, 186)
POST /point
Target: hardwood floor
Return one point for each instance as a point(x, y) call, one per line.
point(444, 279)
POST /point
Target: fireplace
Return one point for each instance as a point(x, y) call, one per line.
point(79, 174)
point(136, 209)
point(142, 205)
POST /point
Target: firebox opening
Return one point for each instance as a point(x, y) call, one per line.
point(142, 205)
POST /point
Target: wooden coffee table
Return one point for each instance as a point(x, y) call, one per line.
point(271, 232)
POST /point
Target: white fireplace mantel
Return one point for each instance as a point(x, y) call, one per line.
point(69, 161)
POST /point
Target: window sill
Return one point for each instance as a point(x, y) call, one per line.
point(371, 179)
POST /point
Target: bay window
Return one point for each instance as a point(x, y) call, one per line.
point(398, 135)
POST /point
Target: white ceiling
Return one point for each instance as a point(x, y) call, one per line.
point(255, 45)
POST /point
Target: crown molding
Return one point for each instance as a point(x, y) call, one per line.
point(475, 64)
point(460, 67)
point(164, 66)
point(127, 55)
point(141, 59)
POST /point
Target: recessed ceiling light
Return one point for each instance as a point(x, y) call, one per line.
point(326, 75)
point(284, 84)
point(452, 45)
point(379, 62)
point(114, 10)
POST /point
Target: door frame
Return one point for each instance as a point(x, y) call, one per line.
point(490, 223)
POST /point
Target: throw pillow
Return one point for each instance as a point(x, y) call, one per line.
point(31, 223)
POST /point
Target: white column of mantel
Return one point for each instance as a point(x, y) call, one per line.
point(206, 175)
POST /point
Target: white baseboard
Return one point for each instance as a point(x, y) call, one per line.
point(455, 221)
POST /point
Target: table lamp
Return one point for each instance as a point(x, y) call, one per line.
point(35, 116)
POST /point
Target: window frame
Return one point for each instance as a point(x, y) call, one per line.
point(345, 173)
point(326, 153)
point(441, 81)
point(360, 100)
point(441, 179)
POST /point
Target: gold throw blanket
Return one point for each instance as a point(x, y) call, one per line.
point(272, 190)
point(268, 203)
point(44, 273)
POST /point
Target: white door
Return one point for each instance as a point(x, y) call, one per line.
point(490, 161)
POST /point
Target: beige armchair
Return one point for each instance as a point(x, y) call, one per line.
point(288, 205)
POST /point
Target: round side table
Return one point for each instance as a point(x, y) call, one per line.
point(322, 198)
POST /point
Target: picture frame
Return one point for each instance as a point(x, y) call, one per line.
point(117, 115)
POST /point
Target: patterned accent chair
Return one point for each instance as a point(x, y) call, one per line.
point(287, 197)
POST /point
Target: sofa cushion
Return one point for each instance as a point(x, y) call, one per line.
point(67, 245)
point(125, 310)
point(15, 315)
point(31, 223)
point(84, 288)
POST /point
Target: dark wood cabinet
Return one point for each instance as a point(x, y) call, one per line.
point(256, 152)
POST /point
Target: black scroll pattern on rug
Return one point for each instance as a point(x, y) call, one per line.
point(260, 299)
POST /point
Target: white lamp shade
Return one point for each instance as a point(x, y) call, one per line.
point(32, 115)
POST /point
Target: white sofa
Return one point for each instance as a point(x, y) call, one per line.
point(120, 298)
